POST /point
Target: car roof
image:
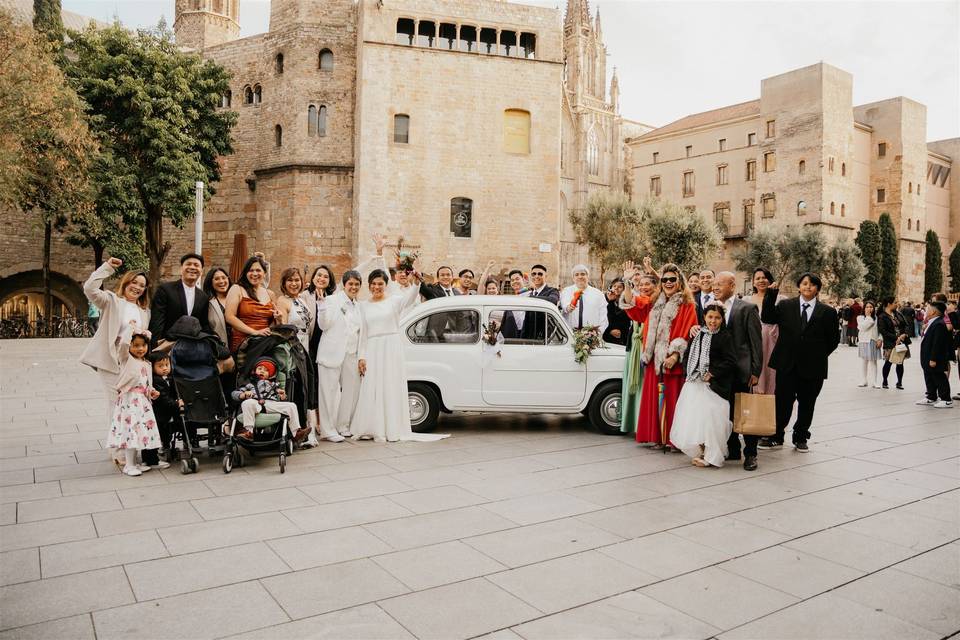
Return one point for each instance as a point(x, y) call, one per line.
point(460, 302)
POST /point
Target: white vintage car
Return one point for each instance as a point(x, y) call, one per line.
point(451, 367)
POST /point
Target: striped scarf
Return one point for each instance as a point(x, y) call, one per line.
point(698, 362)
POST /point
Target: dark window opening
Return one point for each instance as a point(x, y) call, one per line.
point(448, 36)
point(446, 327)
point(405, 29)
point(461, 217)
point(326, 60)
point(257, 95)
point(426, 33)
point(279, 63)
point(468, 38)
point(278, 135)
point(488, 41)
point(401, 128)
point(247, 95)
point(508, 43)
point(322, 121)
point(528, 45)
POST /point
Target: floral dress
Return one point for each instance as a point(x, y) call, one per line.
point(133, 425)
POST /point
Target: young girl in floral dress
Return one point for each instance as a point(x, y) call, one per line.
point(134, 426)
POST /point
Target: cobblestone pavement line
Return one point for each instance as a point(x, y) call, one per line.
point(517, 527)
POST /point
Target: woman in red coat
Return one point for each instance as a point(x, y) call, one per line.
point(667, 318)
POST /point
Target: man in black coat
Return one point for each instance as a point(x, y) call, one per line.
point(443, 287)
point(743, 322)
point(936, 351)
point(809, 333)
point(183, 297)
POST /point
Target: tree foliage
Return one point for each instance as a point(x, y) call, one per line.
point(608, 225)
point(933, 268)
point(868, 241)
point(761, 249)
point(889, 258)
point(845, 270)
point(48, 21)
point(46, 145)
point(955, 269)
point(671, 233)
point(155, 112)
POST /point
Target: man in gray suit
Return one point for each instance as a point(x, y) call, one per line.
point(743, 320)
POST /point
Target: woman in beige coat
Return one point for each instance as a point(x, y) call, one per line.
point(121, 311)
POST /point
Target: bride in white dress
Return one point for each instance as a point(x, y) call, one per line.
point(383, 412)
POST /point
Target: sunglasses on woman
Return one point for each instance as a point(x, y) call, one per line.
point(668, 279)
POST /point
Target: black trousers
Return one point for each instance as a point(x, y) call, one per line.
point(804, 391)
point(938, 385)
point(164, 426)
point(733, 442)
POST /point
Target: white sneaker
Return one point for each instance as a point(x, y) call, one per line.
point(926, 402)
point(943, 404)
point(132, 471)
point(347, 434)
point(335, 438)
point(160, 465)
point(143, 467)
point(876, 386)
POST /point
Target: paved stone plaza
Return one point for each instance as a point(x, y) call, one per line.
point(515, 527)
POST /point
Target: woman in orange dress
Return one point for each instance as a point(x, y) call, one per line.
point(667, 317)
point(250, 308)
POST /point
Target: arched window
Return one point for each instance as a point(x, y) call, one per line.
point(461, 217)
point(802, 167)
point(801, 208)
point(833, 210)
point(278, 135)
point(326, 60)
point(405, 31)
point(843, 210)
point(226, 99)
point(401, 128)
point(843, 169)
point(322, 121)
point(313, 122)
point(516, 131)
point(909, 187)
point(278, 63)
point(257, 94)
point(247, 95)
point(909, 225)
point(593, 153)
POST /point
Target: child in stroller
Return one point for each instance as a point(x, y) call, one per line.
point(264, 394)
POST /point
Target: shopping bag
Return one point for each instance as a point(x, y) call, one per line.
point(754, 414)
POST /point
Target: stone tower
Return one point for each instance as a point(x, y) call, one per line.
point(199, 24)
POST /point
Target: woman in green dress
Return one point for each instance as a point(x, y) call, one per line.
point(644, 285)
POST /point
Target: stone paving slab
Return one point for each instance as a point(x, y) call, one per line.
point(516, 527)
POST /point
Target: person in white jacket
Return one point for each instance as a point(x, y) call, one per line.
point(582, 305)
point(870, 344)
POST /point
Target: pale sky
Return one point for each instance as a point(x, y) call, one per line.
point(680, 57)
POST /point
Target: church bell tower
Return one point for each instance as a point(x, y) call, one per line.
point(199, 24)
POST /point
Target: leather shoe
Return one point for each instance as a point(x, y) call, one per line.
point(801, 446)
point(750, 463)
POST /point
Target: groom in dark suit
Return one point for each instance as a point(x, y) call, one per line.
point(809, 333)
point(743, 321)
point(184, 297)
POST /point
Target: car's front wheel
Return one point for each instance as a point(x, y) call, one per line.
point(424, 407)
point(604, 408)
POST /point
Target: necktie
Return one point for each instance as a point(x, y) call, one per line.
point(580, 313)
point(803, 315)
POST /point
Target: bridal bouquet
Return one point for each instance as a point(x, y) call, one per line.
point(405, 259)
point(584, 342)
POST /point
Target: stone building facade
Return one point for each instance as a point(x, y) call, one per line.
point(804, 154)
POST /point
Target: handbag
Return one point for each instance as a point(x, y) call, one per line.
point(898, 354)
point(754, 414)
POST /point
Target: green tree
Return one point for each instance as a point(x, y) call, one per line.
point(955, 269)
point(802, 249)
point(889, 258)
point(761, 249)
point(671, 233)
point(868, 241)
point(845, 271)
point(933, 269)
point(48, 21)
point(603, 226)
point(155, 110)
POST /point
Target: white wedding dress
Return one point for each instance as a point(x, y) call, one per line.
point(383, 412)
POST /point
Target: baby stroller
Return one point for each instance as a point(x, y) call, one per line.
point(197, 382)
point(271, 431)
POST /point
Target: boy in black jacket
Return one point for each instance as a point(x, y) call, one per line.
point(935, 354)
point(166, 406)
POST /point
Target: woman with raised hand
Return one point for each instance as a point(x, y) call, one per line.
point(293, 310)
point(767, 380)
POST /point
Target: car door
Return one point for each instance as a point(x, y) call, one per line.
point(536, 370)
point(444, 349)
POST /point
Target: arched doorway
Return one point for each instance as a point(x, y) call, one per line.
point(21, 296)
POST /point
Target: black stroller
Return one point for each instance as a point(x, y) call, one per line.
point(271, 431)
point(197, 382)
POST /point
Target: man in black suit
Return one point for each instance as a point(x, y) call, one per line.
point(443, 287)
point(515, 322)
point(744, 324)
point(705, 294)
point(809, 333)
point(936, 352)
point(536, 327)
point(183, 297)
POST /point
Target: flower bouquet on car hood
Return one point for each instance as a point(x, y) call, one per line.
point(585, 341)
